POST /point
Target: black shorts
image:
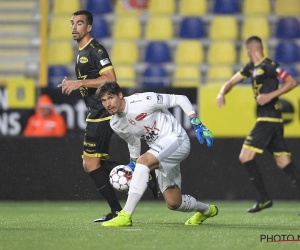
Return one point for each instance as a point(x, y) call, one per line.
point(267, 135)
point(97, 138)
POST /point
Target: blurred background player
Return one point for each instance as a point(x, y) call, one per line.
point(268, 130)
point(146, 116)
point(45, 122)
point(93, 68)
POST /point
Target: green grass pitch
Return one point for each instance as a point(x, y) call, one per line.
point(69, 225)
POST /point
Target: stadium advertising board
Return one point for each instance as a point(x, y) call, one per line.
point(235, 119)
point(238, 116)
point(13, 118)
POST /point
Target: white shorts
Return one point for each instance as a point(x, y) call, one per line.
point(170, 152)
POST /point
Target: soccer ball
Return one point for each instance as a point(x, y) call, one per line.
point(120, 177)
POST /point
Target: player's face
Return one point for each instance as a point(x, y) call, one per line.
point(249, 51)
point(113, 103)
point(79, 27)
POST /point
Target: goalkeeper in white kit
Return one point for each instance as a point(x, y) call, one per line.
point(146, 116)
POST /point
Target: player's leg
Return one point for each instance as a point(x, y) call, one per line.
point(138, 186)
point(256, 142)
point(186, 203)
point(95, 155)
point(256, 178)
point(148, 161)
point(292, 171)
point(169, 179)
point(279, 149)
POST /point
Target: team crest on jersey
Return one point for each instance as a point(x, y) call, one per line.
point(132, 122)
point(160, 99)
point(100, 51)
point(141, 117)
point(83, 60)
point(148, 97)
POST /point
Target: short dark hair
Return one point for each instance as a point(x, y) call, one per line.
point(87, 14)
point(253, 39)
point(108, 88)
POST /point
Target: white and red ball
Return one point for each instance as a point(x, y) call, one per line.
point(120, 177)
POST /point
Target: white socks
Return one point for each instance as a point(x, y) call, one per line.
point(138, 186)
point(190, 204)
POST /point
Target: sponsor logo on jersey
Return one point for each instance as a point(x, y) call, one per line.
point(89, 144)
point(258, 72)
point(159, 146)
point(83, 59)
point(131, 121)
point(148, 129)
point(100, 51)
point(152, 133)
point(160, 99)
point(134, 101)
point(150, 137)
point(104, 61)
point(141, 116)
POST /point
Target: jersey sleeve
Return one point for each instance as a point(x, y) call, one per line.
point(245, 71)
point(166, 101)
point(134, 144)
point(275, 70)
point(101, 59)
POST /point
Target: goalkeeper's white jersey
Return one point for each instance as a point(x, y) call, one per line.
point(146, 117)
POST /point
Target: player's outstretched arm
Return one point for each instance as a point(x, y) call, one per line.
point(227, 86)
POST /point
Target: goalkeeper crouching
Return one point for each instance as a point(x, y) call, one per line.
point(146, 116)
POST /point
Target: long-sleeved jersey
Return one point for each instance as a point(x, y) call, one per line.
point(146, 117)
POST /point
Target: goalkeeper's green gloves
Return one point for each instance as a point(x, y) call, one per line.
point(132, 164)
point(202, 132)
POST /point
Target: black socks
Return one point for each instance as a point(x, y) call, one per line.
point(256, 178)
point(294, 173)
point(101, 180)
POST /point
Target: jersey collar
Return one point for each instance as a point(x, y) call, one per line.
point(125, 112)
point(86, 44)
point(259, 62)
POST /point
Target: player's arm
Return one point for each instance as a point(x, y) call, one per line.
point(102, 62)
point(227, 86)
point(288, 84)
point(165, 101)
point(134, 144)
point(202, 132)
point(107, 74)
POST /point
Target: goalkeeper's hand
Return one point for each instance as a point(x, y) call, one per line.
point(202, 132)
point(132, 164)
